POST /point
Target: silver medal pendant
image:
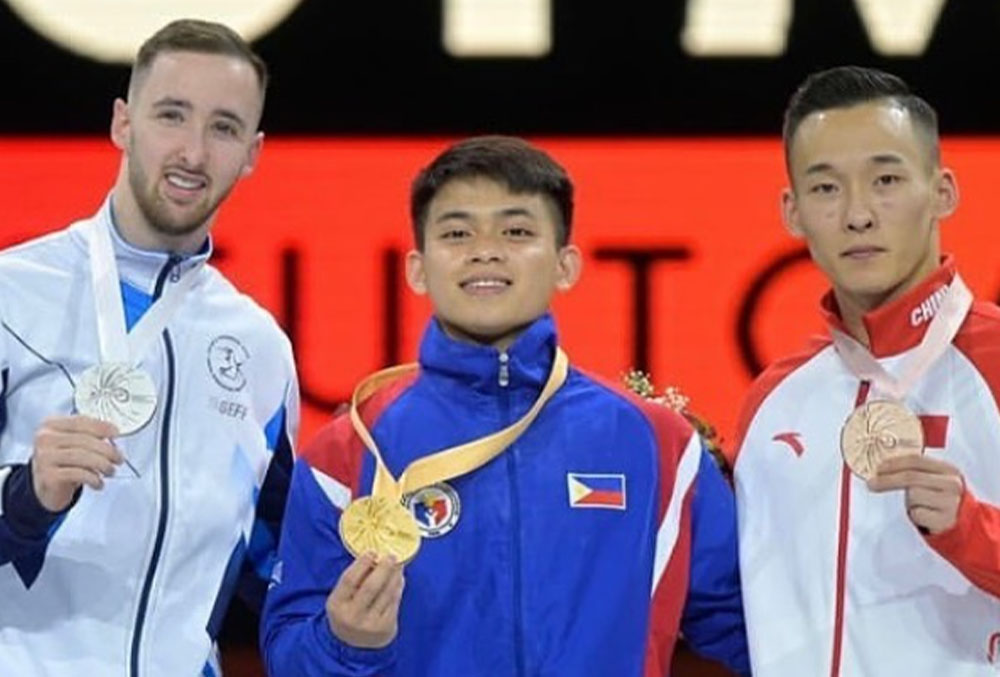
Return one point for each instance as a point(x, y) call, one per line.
point(117, 393)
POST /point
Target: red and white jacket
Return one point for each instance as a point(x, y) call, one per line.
point(836, 579)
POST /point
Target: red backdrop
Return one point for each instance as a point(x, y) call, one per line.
point(316, 235)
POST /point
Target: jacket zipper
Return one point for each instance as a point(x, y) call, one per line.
point(161, 527)
point(503, 380)
point(840, 593)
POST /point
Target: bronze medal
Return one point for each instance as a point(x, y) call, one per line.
point(380, 525)
point(876, 431)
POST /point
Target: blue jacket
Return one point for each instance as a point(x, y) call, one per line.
point(583, 549)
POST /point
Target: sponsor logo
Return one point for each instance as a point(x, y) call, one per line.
point(792, 440)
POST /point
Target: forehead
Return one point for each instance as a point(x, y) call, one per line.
point(213, 80)
point(482, 194)
point(839, 136)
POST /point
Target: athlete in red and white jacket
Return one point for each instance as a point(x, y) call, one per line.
point(899, 575)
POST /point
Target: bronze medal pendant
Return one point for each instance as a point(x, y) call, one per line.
point(379, 525)
point(876, 431)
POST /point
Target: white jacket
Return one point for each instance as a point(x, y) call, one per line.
point(134, 580)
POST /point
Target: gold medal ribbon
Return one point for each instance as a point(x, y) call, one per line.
point(454, 461)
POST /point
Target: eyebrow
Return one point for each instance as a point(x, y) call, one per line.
point(171, 102)
point(466, 215)
point(878, 159)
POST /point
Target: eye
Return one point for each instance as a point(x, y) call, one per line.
point(170, 115)
point(824, 188)
point(226, 128)
point(888, 179)
point(454, 234)
point(519, 231)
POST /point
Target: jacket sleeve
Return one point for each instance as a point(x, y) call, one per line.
point(296, 639)
point(25, 525)
point(712, 621)
point(973, 544)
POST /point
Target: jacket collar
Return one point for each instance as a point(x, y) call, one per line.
point(900, 324)
point(476, 366)
point(140, 268)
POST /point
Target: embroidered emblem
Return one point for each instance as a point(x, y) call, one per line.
point(596, 490)
point(436, 509)
point(226, 357)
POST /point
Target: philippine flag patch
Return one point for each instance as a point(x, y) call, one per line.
point(591, 490)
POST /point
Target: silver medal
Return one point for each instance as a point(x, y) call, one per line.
point(116, 393)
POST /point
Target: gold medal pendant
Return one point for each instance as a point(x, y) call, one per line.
point(380, 525)
point(876, 431)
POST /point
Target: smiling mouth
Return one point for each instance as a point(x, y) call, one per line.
point(485, 285)
point(186, 181)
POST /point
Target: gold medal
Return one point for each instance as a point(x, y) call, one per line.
point(876, 431)
point(379, 525)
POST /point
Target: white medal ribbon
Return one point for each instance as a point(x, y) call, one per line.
point(939, 335)
point(116, 343)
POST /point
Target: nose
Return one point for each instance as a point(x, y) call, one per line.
point(860, 215)
point(194, 150)
point(487, 248)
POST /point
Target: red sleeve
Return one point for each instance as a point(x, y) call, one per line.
point(973, 544)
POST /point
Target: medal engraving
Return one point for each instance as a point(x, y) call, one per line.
point(118, 394)
point(877, 430)
point(380, 525)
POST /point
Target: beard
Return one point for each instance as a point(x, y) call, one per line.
point(158, 213)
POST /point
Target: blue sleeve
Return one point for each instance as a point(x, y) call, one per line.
point(712, 621)
point(296, 640)
point(25, 524)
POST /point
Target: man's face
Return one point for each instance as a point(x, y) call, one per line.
point(491, 261)
point(866, 195)
point(189, 132)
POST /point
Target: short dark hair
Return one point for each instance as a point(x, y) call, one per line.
point(508, 160)
point(847, 86)
point(203, 37)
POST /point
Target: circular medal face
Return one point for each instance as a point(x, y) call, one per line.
point(116, 393)
point(380, 525)
point(877, 430)
point(435, 508)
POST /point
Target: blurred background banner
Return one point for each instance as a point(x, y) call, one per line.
point(666, 114)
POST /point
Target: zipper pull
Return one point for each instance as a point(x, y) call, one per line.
point(504, 377)
point(175, 267)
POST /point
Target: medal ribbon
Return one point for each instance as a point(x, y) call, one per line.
point(454, 461)
point(939, 335)
point(116, 343)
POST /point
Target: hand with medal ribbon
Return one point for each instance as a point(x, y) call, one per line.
point(113, 398)
point(882, 441)
point(380, 532)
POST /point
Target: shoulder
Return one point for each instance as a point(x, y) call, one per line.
point(979, 340)
point(767, 383)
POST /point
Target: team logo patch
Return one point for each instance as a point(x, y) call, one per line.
point(436, 509)
point(592, 490)
point(226, 357)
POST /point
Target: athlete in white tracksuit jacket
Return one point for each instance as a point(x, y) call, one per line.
point(130, 574)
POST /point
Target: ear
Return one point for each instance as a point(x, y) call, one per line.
point(253, 154)
point(790, 212)
point(415, 274)
point(120, 124)
point(946, 193)
point(570, 265)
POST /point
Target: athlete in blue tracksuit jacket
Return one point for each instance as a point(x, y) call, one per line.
point(583, 549)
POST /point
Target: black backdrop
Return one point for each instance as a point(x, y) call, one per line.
point(355, 67)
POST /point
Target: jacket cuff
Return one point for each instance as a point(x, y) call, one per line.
point(25, 515)
point(355, 660)
point(949, 543)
